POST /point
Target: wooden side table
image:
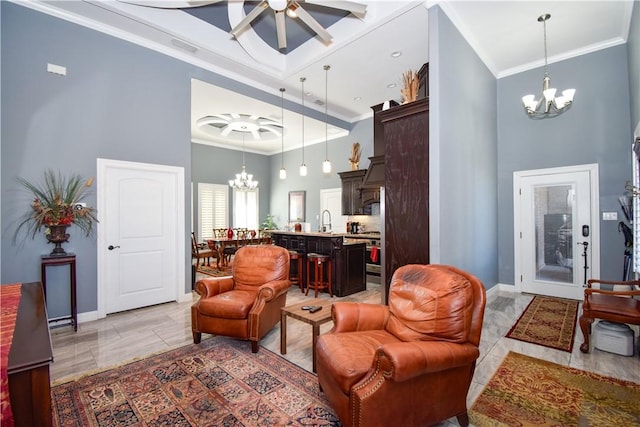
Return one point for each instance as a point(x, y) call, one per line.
point(70, 260)
point(314, 319)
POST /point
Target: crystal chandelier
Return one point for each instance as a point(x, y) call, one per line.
point(549, 105)
point(244, 181)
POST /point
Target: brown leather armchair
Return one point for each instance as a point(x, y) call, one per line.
point(409, 363)
point(247, 304)
point(620, 306)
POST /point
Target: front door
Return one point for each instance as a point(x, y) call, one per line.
point(556, 227)
point(140, 235)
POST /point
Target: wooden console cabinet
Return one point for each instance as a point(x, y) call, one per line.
point(349, 264)
point(29, 359)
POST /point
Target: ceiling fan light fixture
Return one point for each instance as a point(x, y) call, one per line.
point(548, 105)
point(278, 5)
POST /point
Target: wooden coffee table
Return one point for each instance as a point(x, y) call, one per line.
point(314, 319)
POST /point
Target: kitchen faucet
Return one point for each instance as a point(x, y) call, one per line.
point(323, 226)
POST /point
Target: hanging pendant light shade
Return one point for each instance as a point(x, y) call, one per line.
point(303, 166)
point(326, 165)
point(243, 181)
point(283, 171)
point(549, 105)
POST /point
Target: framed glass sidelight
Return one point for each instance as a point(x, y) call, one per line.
point(297, 206)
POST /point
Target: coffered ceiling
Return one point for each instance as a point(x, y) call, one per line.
point(364, 69)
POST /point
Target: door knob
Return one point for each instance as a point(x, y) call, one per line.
point(111, 247)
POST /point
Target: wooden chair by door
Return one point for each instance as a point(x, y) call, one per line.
point(201, 252)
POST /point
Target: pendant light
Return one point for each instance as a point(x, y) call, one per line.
point(326, 165)
point(303, 166)
point(549, 105)
point(283, 171)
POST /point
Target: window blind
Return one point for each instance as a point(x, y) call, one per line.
point(213, 207)
point(636, 206)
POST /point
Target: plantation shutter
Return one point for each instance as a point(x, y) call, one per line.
point(245, 209)
point(213, 204)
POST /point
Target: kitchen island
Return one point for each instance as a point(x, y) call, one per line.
point(348, 259)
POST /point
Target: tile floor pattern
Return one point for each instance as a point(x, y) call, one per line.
point(134, 334)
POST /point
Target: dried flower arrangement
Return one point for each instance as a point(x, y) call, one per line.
point(410, 90)
point(355, 156)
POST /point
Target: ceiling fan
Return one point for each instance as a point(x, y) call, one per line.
point(292, 8)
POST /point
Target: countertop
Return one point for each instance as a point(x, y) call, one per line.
point(327, 234)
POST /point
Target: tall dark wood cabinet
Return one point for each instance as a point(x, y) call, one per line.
point(351, 197)
point(406, 155)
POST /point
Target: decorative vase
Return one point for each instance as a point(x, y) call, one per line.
point(355, 166)
point(230, 233)
point(58, 235)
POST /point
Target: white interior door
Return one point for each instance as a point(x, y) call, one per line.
point(556, 227)
point(331, 200)
point(140, 235)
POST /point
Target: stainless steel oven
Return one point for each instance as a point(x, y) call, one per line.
point(373, 255)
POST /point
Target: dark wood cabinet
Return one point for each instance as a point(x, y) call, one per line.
point(406, 223)
point(351, 197)
point(348, 274)
point(29, 359)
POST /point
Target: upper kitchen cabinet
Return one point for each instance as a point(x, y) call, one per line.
point(351, 196)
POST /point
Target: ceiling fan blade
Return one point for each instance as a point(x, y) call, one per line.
point(250, 17)
point(313, 24)
point(226, 130)
point(222, 116)
point(171, 4)
point(351, 6)
point(211, 120)
point(281, 29)
point(256, 134)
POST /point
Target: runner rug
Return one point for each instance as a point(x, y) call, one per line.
point(547, 321)
point(218, 382)
point(526, 391)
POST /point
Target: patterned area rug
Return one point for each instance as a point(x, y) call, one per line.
point(223, 271)
point(218, 382)
point(547, 321)
point(531, 392)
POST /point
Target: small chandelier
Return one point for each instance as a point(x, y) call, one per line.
point(549, 105)
point(283, 171)
point(326, 165)
point(244, 181)
point(303, 166)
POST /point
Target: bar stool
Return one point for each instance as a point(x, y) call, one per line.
point(296, 275)
point(317, 261)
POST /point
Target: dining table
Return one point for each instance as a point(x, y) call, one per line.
point(222, 242)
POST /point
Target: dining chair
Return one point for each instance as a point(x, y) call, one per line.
point(200, 251)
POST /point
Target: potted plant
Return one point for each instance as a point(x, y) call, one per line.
point(57, 204)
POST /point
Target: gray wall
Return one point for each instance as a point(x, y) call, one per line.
point(633, 50)
point(595, 130)
point(463, 138)
point(118, 101)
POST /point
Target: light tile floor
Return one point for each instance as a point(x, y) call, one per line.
point(138, 333)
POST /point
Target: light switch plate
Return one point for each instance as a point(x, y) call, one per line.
point(609, 216)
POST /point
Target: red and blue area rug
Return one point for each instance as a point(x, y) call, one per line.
point(218, 382)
